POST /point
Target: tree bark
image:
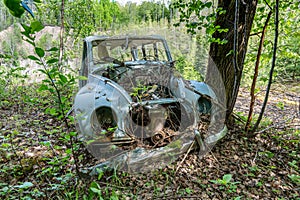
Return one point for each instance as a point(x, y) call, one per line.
point(222, 57)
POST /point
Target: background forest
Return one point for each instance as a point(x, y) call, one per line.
point(40, 156)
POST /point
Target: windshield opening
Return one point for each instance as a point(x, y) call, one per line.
point(128, 50)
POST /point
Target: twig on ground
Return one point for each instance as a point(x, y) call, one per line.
point(187, 152)
point(253, 161)
point(213, 155)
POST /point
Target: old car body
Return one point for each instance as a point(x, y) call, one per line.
point(134, 95)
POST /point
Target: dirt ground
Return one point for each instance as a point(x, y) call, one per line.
point(238, 167)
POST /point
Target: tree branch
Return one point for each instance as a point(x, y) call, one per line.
point(261, 43)
point(272, 68)
point(257, 33)
point(268, 5)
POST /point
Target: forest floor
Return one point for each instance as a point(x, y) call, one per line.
point(38, 157)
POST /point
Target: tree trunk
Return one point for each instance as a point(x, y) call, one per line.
point(222, 56)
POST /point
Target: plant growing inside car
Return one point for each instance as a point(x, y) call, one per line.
point(140, 92)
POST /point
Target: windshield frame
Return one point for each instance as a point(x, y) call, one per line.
point(132, 46)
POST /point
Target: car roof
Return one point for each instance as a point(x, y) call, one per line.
point(129, 37)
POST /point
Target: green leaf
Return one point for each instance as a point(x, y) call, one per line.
point(220, 30)
point(73, 133)
point(14, 7)
point(95, 190)
point(40, 52)
point(69, 151)
point(82, 78)
point(63, 78)
point(53, 49)
point(52, 111)
point(54, 71)
point(36, 26)
point(295, 178)
point(188, 190)
point(27, 31)
point(208, 4)
point(51, 90)
point(64, 99)
point(43, 71)
point(280, 105)
point(43, 87)
point(2, 55)
point(95, 187)
point(227, 178)
point(51, 61)
point(230, 53)
point(25, 185)
point(46, 143)
point(37, 1)
point(5, 189)
point(31, 57)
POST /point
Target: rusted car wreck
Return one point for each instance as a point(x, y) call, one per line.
point(134, 111)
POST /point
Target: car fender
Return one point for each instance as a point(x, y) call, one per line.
point(100, 92)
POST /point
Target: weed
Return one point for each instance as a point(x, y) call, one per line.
point(295, 178)
point(226, 184)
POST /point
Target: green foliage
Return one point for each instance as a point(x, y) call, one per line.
point(80, 18)
point(187, 70)
point(45, 41)
point(151, 11)
point(52, 8)
point(10, 44)
point(198, 15)
point(14, 7)
point(86, 17)
point(226, 183)
point(12, 76)
point(7, 19)
point(128, 14)
point(288, 52)
point(295, 178)
point(287, 61)
point(55, 81)
point(49, 162)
